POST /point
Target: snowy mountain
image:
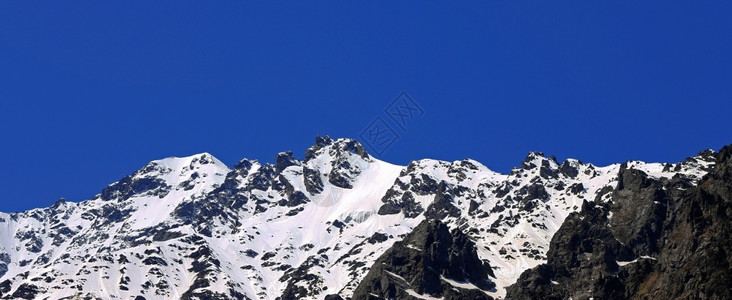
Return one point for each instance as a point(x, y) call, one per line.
point(193, 228)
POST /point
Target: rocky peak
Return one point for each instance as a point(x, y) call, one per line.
point(339, 162)
point(708, 155)
point(548, 167)
point(159, 177)
point(431, 261)
point(632, 179)
point(723, 158)
point(532, 160)
point(320, 143)
point(59, 203)
point(284, 160)
point(570, 168)
point(245, 166)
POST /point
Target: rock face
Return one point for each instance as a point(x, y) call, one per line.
point(430, 261)
point(654, 239)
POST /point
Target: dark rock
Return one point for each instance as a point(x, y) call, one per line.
point(576, 188)
point(130, 186)
point(534, 191)
point(242, 168)
point(424, 185)
point(251, 253)
point(312, 180)
point(378, 237)
point(581, 258)
point(568, 170)
point(406, 204)
point(27, 291)
point(421, 261)
point(4, 262)
point(165, 235)
point(5, 287)
point(284, 160)
point(528, 161)
point(675, 239)
point(262, 179)
point(639, 211)
point(503, 190)
point(546, 171)
point(154, 261)
point(320, 142)
point(302, 275)
point(473, 206)
point(442, 206)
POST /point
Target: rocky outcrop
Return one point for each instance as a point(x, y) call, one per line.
point(655, 239)
point(696, 258)
point(430, 261)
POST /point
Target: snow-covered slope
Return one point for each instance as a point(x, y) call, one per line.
point(192, 228)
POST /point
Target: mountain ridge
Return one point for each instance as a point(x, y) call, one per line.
point(193, 227)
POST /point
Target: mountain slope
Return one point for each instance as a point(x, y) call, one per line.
point(655, 239)
point(193, 228)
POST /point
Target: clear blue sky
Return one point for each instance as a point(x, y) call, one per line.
point(91, 91)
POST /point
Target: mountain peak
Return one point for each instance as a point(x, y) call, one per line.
point(284, 160)
point(334, 148)
point(160, 176)
point(191, 162)
point(187, 227)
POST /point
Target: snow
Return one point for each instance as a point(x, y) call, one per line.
point(625, 263)
point(413, 247)
point(462, 285)
point(289, 236)
point(414, 294)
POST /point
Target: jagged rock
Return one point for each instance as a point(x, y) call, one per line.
point(284, 160)
point(262, 179)
point(312, 180)
point(405, 204)
point(567, 169)
point(130, 186)
point(547, 171)
point(581, 261)
point(442, 206)
point(320, 142)
point(639, 210)
point(695, 260)
point(4, 261)
point(424, 263)
point(664, 240)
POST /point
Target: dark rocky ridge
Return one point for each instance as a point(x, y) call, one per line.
point(420, 261)
point(655, 239)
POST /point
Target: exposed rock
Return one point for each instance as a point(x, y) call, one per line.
point(663, 240)
point(567, 169)
point(320, 142)
point(639, 210)
point(312, 180)
point(406, 204)
point(130, 186)
point(284, 160)
point(424, 263)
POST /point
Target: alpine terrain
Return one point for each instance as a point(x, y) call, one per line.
point(341, 224)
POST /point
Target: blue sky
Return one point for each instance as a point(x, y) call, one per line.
point(91, 91)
